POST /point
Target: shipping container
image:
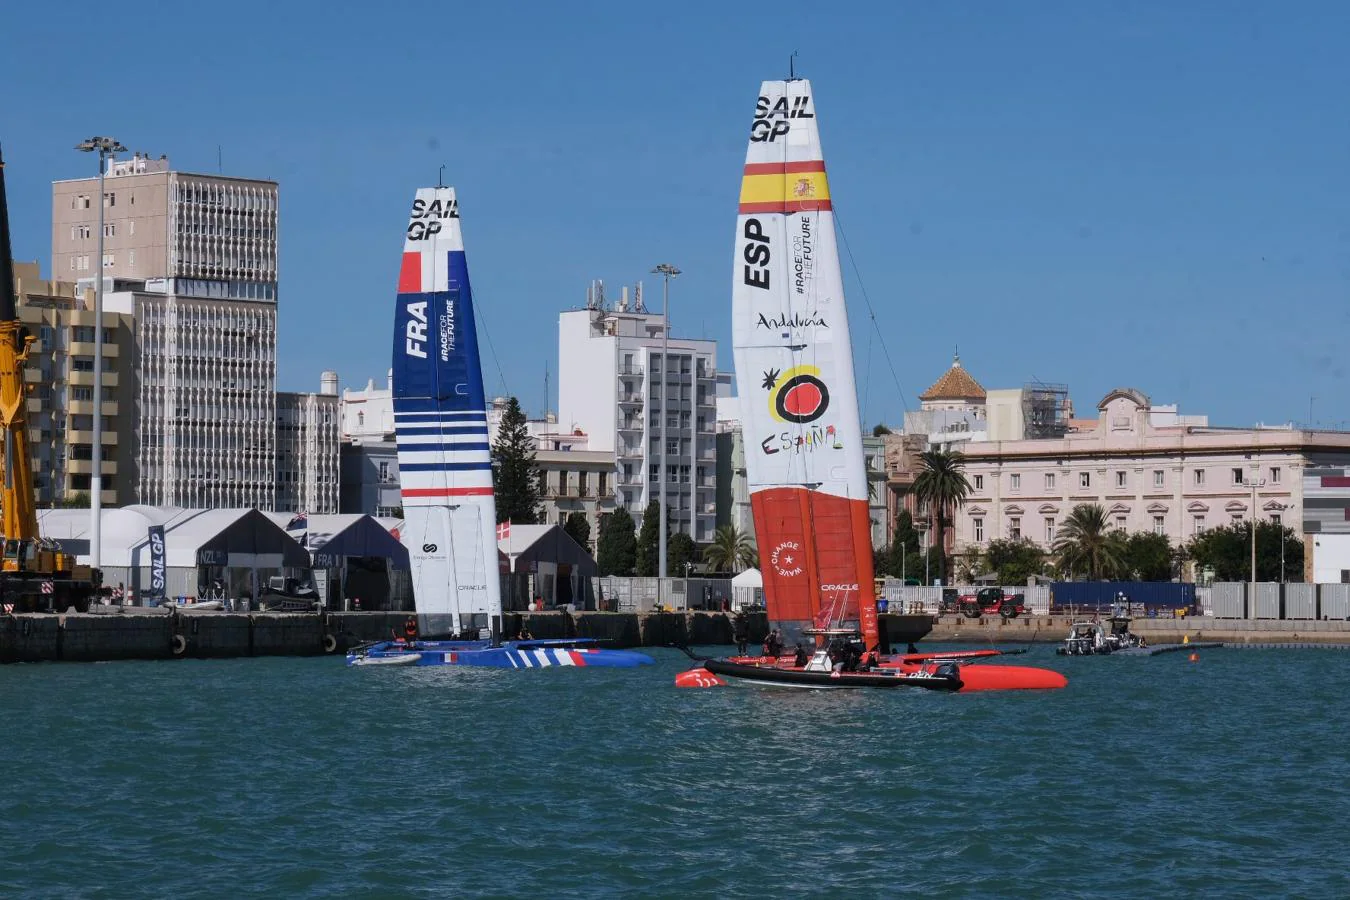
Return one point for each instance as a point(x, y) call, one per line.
point(1335, 601)
point(1144, 597)
point(1267, 605)
point(1300, 601)
point(1228, 600)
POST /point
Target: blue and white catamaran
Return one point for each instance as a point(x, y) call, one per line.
point(440, 422)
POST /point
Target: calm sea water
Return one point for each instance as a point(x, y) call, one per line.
point(301, 778)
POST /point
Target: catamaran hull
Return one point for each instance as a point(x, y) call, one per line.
point(506, 656)
point(969, 678)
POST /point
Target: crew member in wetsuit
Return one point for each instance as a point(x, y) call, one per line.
point(800, 659)
point(409, 629)
point(773, 644)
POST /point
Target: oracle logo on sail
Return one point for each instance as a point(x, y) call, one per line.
point(772, 118)
point(838, 587)
point(785, 559)
point(426, 217)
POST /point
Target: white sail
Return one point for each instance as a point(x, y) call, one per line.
point(440, 422)
point(794, 371)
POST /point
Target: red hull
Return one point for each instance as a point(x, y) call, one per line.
point(973, 677)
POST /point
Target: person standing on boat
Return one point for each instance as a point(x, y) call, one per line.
point(773, 644)
point(800, 659)
point(740, 628)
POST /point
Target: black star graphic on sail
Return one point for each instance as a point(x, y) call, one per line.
point(770, 379)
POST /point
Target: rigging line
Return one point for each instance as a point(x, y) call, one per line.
point(871, 313)
point(481, 316)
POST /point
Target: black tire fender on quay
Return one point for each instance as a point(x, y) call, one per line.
point(179, 645)
point(329, 643)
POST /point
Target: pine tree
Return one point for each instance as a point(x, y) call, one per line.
point(616, 548)
point(681, 549)
point(579, 530)
point(515, 473)
point(649, 541)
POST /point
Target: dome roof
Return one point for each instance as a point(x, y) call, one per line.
point(955, 384)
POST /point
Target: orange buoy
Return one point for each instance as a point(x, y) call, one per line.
point(1194, 657)
point(698, 678)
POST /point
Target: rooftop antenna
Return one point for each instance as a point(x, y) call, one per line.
point(440, 178)
point(792, 70)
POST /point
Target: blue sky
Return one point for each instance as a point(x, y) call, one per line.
point(1144, 194)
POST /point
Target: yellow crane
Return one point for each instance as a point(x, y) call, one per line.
point(35, 574)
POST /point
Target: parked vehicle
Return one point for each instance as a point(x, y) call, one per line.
point(989, 601)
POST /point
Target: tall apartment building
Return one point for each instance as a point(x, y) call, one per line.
point(61, 400)
point(308, 427)
point(193, 259)
point(610, 378)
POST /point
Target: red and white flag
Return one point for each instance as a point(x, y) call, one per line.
point(504, 530)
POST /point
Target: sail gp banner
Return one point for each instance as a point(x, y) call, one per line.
point(158, 572)
point(435, 341)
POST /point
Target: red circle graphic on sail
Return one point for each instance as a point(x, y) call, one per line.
point(802, 398)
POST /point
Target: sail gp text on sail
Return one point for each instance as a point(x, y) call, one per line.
point(425, 223)
point(772, 118)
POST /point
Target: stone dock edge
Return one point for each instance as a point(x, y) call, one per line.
point(154, 634)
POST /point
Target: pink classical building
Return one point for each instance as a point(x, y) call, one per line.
point(1151, 470)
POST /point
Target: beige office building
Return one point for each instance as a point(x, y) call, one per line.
point(60, 376)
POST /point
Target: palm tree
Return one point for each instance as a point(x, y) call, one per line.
point(1084, 544)
point(942, 484)
point(730, 549)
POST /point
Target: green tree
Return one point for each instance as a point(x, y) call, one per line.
point(879, 429)
point(515, 473)
point(1085, 546)
point(1014, 560)
point(77, 500)
point(616, 548)
point(1147, 557)
point(579, 529)
point(649, 540)
point(680, 549)
point(942, 484)
point(1228, 550)
point(731, 550)
point(904, 560)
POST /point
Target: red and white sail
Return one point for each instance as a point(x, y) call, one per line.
point(794, 375)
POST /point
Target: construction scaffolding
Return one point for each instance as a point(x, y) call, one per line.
point(1045, 410)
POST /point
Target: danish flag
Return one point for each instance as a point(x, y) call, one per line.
point(504, 530)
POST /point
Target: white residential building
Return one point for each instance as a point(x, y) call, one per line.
point(610, 385)
point(369, 454)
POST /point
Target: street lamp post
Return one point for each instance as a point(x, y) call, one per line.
point(105, 147)
point(667, 272)
point(1256, 483)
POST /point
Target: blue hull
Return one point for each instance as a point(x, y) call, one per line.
point(509, 655)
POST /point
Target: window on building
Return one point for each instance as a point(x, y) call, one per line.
point(110, 199)
point(1237, 517)
point(1276, 518)
point(1159, 479)
point(1049, 481)
point(384, 470)
point(1198, 524)
point(1085, 479)
point(1015, 527)
point(603, 488)
point(1199, 477)
point(1120, 479)
point(131, 257)
point(1237, 475)
point(582, 486)
point(977, 529)
point(1159, 525)
point(672, 447)
point(1274, 474)
point(1015, 482)
point(979, 482)
point(108, 260)
point(131, 226)
point(1120, 523)
point(79, 392)
point(110, 229)
point(1049, 529)
point(72, 264)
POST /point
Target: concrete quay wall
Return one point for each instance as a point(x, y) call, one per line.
point(160, 634)
point(1053, 629)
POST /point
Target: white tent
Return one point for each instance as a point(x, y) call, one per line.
point(747, 589)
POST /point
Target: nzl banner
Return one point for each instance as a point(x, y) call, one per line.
point(158, 583)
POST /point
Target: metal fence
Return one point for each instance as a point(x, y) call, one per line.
point(928, 599)
point(618, 594)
